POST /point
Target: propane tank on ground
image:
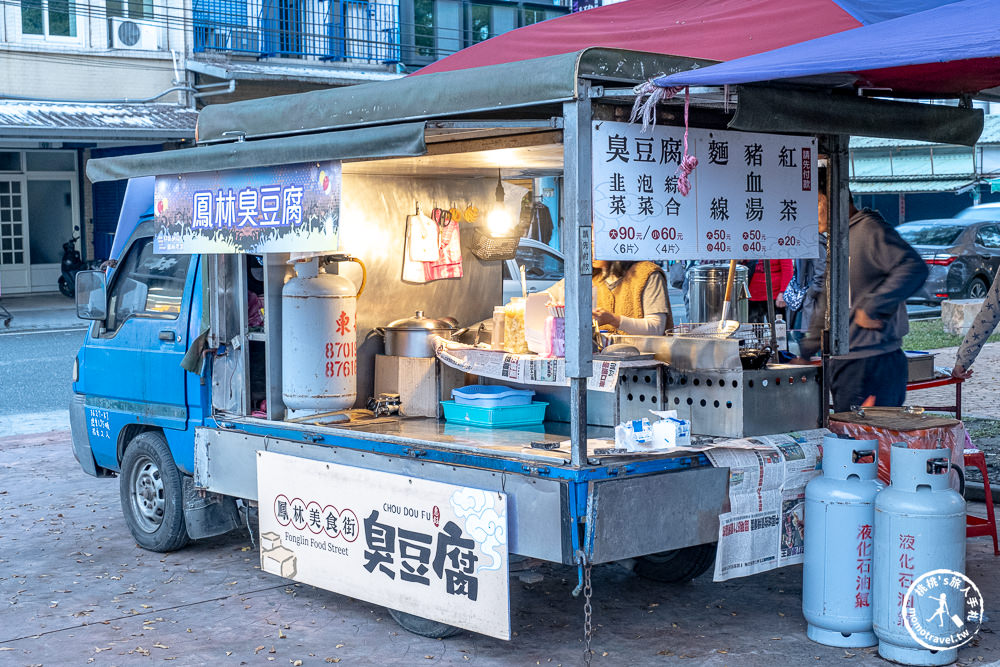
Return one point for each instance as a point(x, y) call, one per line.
point(836, 572)
point(919, 529)
point(318, 341)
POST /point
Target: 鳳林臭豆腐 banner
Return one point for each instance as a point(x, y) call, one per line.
point(288, 208)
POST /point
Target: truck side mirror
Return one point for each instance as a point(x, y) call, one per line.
point(91, 295)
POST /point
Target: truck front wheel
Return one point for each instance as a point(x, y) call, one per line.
point(677, 566)
point(152, 495)
point(424, 627)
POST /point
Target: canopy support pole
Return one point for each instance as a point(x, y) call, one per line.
point(576, 242)
point(839, 249)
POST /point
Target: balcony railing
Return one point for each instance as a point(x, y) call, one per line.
point(414, 32)
point(350, 30)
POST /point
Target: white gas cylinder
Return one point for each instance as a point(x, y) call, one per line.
point(319, 352)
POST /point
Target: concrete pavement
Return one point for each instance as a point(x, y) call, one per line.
point(76, 590)
point(34, 312)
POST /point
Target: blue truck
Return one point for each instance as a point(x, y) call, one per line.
point(180, 386)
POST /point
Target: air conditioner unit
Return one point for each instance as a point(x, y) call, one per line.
point(132, 34)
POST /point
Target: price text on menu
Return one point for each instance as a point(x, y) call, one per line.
point(753, 196)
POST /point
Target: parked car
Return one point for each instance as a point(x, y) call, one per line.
point(543, 266)
point(981, 212)
point(963, 255)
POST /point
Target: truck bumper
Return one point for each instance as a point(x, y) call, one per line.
point(81, 442)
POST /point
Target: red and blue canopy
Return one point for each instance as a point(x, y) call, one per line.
point(913, 47)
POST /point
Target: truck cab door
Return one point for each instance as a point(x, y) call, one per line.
point(134, 356)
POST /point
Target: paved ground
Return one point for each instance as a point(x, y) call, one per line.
point(40, 311)
point(76, 590)
point(980, 393)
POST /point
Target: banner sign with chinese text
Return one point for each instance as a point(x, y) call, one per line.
point(288, 208)
point(426, 548)
point(753, 196)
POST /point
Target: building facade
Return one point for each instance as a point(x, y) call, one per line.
point(95, 78)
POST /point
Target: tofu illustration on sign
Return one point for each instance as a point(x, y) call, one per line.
point(275, 558)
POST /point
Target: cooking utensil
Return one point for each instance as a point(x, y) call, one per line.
point(726, 304)
point(754, 358)
point(413, 336)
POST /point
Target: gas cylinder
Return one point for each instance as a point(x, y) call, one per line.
point(836, 573)
point(318, 341)
point(919, 530)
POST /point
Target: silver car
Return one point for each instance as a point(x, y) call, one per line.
point(543, 266)
point(963, 255)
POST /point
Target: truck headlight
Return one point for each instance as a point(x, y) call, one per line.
point(76, 369)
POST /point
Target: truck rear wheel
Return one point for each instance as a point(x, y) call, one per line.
point(677, 566)
point(152, 494)
point(424, 627)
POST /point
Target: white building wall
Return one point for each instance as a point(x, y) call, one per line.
point(84, 77)
point(86, 67)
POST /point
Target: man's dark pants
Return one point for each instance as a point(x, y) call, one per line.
point(883, 376)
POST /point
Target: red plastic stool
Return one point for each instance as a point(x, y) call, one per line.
point(974, 525)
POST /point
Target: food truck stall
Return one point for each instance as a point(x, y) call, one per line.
point(324, 336)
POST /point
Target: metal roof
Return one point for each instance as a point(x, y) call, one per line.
point(269, 71)
point(80, 121)
point(908, 185)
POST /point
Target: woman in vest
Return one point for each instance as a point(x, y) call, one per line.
point(631, 298)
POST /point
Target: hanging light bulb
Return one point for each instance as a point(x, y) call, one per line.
point(499, 221)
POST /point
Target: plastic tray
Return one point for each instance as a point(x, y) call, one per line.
point(496, 417)
point(491, 395)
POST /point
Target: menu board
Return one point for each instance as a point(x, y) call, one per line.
point(752, 195)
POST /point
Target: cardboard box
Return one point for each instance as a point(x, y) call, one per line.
point(420, 382)
point(269, 540)
point(280, 561)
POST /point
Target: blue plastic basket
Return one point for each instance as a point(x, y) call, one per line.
point(491, 395)
point(507, 416)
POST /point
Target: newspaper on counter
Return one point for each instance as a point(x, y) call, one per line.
point(521, 368)
point(764, 527)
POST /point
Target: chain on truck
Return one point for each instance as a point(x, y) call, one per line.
point(301, 322)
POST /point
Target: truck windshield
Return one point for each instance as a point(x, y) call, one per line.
point(147, 285)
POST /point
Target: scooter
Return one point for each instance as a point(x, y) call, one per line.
point(72, 263)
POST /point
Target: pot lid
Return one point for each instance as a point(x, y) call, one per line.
point(418, 323)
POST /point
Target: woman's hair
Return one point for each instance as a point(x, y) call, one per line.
point(616, 268)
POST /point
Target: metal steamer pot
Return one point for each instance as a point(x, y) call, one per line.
point(413, 336)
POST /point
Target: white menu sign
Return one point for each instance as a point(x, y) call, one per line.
point(426, 548)
point(752, 196)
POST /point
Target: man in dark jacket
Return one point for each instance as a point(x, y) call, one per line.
point(884, 272)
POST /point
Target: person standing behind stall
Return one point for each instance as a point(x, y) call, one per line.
point(810, 274)
point(629, 298)
point(884, 271)
point(981, 329)
point(781, 274)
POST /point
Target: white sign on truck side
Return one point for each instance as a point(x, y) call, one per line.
point(426, 548)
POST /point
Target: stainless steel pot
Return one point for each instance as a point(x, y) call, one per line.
point(412, 336)
point(707, 293)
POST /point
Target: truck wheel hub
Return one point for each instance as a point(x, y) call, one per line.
point(147, 495)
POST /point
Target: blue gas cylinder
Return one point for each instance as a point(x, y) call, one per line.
point(919, 530)
point(836, 572)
